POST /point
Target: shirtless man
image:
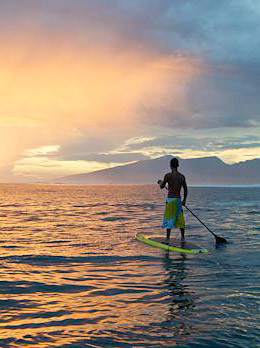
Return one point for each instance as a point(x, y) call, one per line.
point(173, 215)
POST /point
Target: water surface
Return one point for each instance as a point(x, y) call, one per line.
point(72, 274)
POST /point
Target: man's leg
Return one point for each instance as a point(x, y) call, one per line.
point(182, 233)
point(168, 233)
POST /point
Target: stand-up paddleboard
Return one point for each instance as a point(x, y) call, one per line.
point(174, 245)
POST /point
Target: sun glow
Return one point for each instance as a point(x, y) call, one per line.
point(42, 168)
point(68, 88)
point(52, 94)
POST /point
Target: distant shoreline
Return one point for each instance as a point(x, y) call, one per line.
point(129, 184)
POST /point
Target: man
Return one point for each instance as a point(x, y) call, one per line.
point(173, 214)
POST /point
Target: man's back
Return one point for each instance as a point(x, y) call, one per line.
point(175, 181)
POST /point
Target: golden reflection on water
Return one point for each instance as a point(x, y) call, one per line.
point(104, 304)
point(76, 311)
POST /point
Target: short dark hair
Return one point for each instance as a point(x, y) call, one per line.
point(174, 163)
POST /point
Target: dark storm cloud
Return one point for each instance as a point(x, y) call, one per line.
point(221, 97)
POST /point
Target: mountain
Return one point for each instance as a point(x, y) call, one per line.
point(198, 171)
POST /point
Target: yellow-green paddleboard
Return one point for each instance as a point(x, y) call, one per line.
point(174, 245)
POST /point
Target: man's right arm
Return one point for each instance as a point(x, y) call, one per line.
point(163, 182)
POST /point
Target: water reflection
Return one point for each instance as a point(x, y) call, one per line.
point(182, 301)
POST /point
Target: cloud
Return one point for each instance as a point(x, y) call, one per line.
point(42, 168)
point(42, 151)
point(221, 31)
point(115, 158)
point(196, 142)
point(196, 145)
point(221, 96)
point(175, 63)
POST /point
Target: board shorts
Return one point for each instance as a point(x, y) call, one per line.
point(173, 213)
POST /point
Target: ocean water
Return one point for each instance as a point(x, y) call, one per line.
point(72, 274)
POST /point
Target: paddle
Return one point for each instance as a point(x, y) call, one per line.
point(219, 240)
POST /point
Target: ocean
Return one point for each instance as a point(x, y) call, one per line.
point(73, 275)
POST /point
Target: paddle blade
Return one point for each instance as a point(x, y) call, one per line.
point(220, 240)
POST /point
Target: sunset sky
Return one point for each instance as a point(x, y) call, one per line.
point(87, 85)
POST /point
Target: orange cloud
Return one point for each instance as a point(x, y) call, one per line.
point(91, 86)
point(58, 91)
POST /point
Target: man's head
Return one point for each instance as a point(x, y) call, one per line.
point(174, 163)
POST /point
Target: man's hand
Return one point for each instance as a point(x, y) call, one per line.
point(159, 182)
point(184, 202)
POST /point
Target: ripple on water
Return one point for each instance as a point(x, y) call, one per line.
point(115, 218)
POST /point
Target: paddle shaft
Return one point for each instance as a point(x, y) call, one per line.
point(200, 221)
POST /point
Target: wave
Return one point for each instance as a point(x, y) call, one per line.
point(53, 260)
point(115, 218)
